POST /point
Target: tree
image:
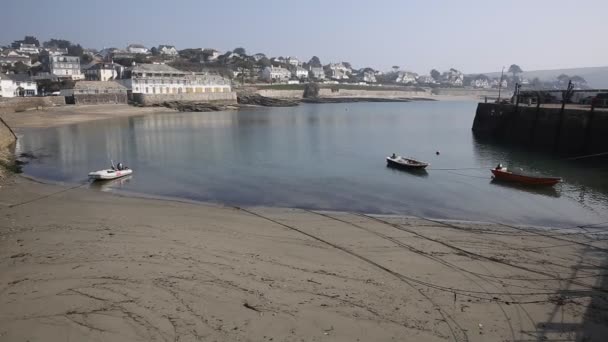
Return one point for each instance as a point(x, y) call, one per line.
point(19, 68)
point(347, 64)
point(263, 62)
point(435, 74)
point(578, 79)
point(240, 51)
point(154, 51)
point(395, 68)
point(31, 40)
point(75, 50)
point(311, 90)
point(85, 59)
point(315, 62)
point(57, 43)
point(515, 69)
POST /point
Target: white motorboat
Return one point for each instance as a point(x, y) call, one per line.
point(112, 173)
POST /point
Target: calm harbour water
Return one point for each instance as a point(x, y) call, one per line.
point(329, 156)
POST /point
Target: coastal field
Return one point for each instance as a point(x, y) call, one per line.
point(77, 264)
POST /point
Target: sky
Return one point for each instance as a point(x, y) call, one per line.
point(470, 35)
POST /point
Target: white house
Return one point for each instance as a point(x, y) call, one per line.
point(453, 77)
point(30, 49)
point(300, 72)
point(496, 83)
point(163, 79)
point(425, 79)
point(55, 51)
point(12, 57)
point(138, 48)
point(276, 74)
point(12, 85)
point(338, 74)
point(480, 83)
point(339, 66)
point(104, 72)
point(167, 50)
point(317, 72)
point(406, 77)
point(67, 67)
point(293, 61)
point(258, 56)
point(369, 76)
point(211, 54)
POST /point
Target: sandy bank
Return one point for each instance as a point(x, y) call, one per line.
point(78, 264)
point(64, 115)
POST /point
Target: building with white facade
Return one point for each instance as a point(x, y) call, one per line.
point(406, 77)
point(339, 66)
point(163, 79)
point(211, 54)
point(480, 83)
point(369, 76)
point(300, 72)
point(13, 85)
point(293, 61)
point(138, 48)
point(258, 56)
point(497, 84)
point(30, 49)
point(425, 79)
point(453, 77)
point(104, 72)
point(11, 57)
point(167, 50)
point(317, 73)
point(275, 74)
point(67, 67)
point(54, 51)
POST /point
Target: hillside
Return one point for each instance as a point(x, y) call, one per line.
point(597, 77)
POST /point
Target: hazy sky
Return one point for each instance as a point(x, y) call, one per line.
point(473, 36)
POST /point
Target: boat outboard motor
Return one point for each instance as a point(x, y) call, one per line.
point(119, 166)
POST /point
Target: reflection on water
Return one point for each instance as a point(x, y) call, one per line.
point(107, 185)
point(537, 190)
point(329, 156)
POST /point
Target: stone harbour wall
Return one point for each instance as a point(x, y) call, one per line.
point(91, 99)
point(574, 132)
point(17, 104)
point(151, 99)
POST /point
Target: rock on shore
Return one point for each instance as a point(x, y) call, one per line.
point(259, 100)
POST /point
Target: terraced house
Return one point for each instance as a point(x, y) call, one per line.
point(163, 79)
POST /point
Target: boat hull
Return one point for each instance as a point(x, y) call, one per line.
point(109, 174)
point(406, 166)
point(524, 179)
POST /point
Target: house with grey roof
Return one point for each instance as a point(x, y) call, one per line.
point(167, 50)
point(95, 92)
point(10, 57)
point(154, 80)
point(103, 72)
point(13, 85)
point(138, 48)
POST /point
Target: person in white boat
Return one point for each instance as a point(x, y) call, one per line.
point(393, 156)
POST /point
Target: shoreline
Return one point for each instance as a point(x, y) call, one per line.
point(96, 265)
point(70, 114)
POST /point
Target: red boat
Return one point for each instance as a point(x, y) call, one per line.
point(502, 174)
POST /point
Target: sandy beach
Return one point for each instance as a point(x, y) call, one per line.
point(70, 114)
point(77, 263)
point(80, 264)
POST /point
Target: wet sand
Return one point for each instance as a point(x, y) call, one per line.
point(65, 115)
point(81, 264)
